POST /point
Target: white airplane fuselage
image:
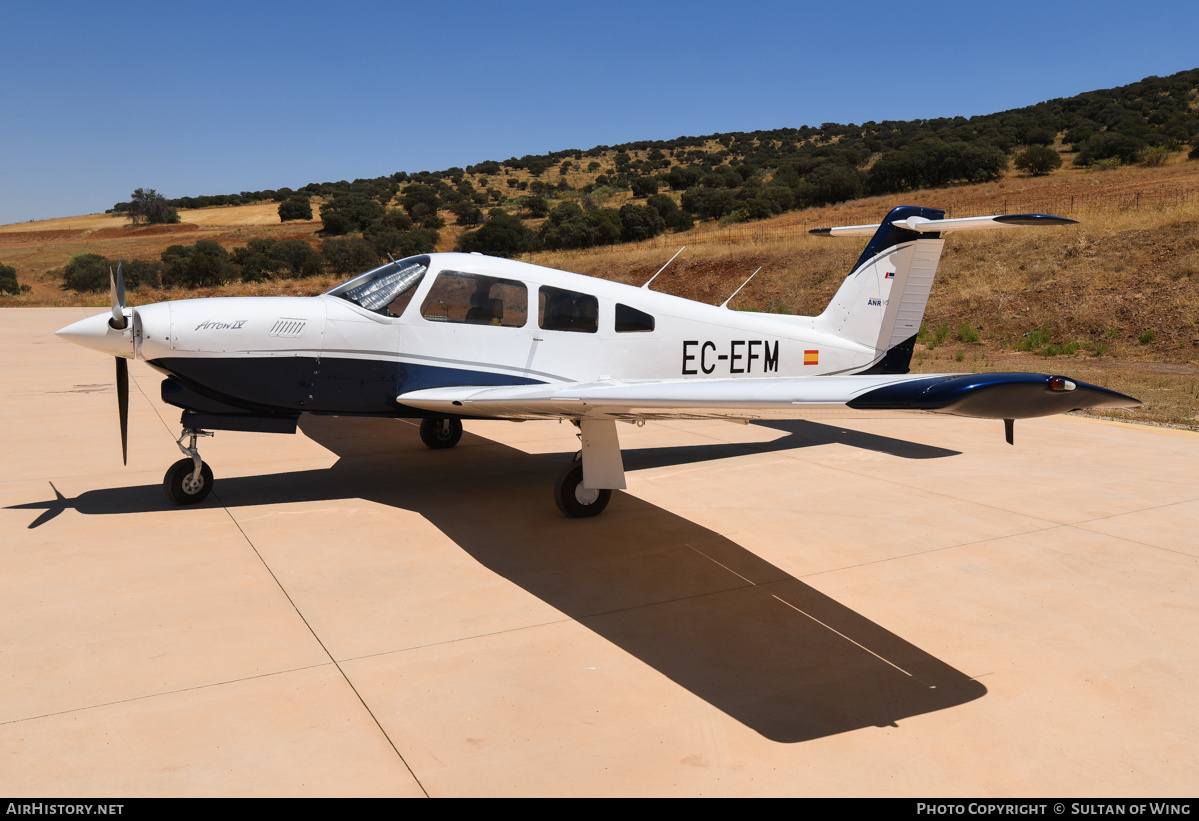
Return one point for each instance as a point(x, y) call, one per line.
point(326, 354)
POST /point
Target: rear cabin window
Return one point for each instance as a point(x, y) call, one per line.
point(630, 320)
point(473, 299)
point(559, 310)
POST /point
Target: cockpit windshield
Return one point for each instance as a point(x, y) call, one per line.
point(387, 289)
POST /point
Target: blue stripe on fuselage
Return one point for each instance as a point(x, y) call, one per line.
point(320, 385)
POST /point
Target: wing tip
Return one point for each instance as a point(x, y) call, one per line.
point(1034, 219)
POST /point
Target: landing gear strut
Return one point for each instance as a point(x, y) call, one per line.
point(441, 432)
point(189, 480)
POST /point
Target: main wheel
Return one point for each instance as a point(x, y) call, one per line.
point(575, 500)
point(178, 483)
point(440, 433)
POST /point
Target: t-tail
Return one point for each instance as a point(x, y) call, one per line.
point(881, 303)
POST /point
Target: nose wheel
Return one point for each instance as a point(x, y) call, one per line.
point(189, 480)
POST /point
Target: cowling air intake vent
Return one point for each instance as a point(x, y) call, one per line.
point(288, 327)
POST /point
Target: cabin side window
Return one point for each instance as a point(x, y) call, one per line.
point(473, 299)
point(630, 320)
point(561, 310)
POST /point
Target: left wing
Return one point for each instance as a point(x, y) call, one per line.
point(993, 396)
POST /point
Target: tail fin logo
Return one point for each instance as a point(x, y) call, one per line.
point(889, 275)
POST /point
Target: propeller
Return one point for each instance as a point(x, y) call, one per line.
point(119, 322)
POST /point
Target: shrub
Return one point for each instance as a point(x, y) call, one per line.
point(1147, 336)
point(417, 194)
point(640, 222)
point(535, 206)
point(1110, 146)
point(191, 266)
point(8, 280)
point(503, 235)
point(1034, 340)
point(834, 183)
point(1054, 349)
point(644, 186)
point(349, 256)
point(1039, 136)
point(298, 208)
point(1155, 155)
point(87, 272)
point(344, 213)
point(298, 257)
point(1038, 160)
point(966, 333)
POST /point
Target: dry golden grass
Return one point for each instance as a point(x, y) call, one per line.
point(257, 213)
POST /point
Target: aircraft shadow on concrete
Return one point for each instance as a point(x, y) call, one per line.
point(734, 630)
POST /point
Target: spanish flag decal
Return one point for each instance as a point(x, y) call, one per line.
point(811, 357)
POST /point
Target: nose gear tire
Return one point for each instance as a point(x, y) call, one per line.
point(178, 484)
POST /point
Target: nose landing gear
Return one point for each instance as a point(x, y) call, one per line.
point(188, 481)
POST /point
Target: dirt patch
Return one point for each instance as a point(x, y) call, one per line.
point(27, 237)
point(133, 231)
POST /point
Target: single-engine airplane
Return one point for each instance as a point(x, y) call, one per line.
point(445, 337)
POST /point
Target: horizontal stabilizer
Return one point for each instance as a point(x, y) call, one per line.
point(921, 225)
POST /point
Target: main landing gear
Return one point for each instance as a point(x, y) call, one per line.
point(189, 480)
point(441, 432)
point(573, 499)
point(600, 446)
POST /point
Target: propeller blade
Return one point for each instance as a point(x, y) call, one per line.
point(123, 405)
point(116, 295)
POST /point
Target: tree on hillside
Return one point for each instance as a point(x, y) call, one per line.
point(204, 264)
point(8, 280)
point(148, 207)
point(1038, 160)
point(87, 272)
point(644, 186)
point(351, 255)
point(1110, 145)
point(296, 208)
point(503, 235)
point(344, 213)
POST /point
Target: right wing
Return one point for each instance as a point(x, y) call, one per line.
point(993, 396)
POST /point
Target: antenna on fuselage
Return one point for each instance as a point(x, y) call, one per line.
point(663, 268)
point(725, 304)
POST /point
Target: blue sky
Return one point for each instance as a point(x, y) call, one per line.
point(216, 97)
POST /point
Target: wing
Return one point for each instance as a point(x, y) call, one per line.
point(993, 396)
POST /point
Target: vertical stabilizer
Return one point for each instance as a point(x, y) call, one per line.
point(880, 305)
